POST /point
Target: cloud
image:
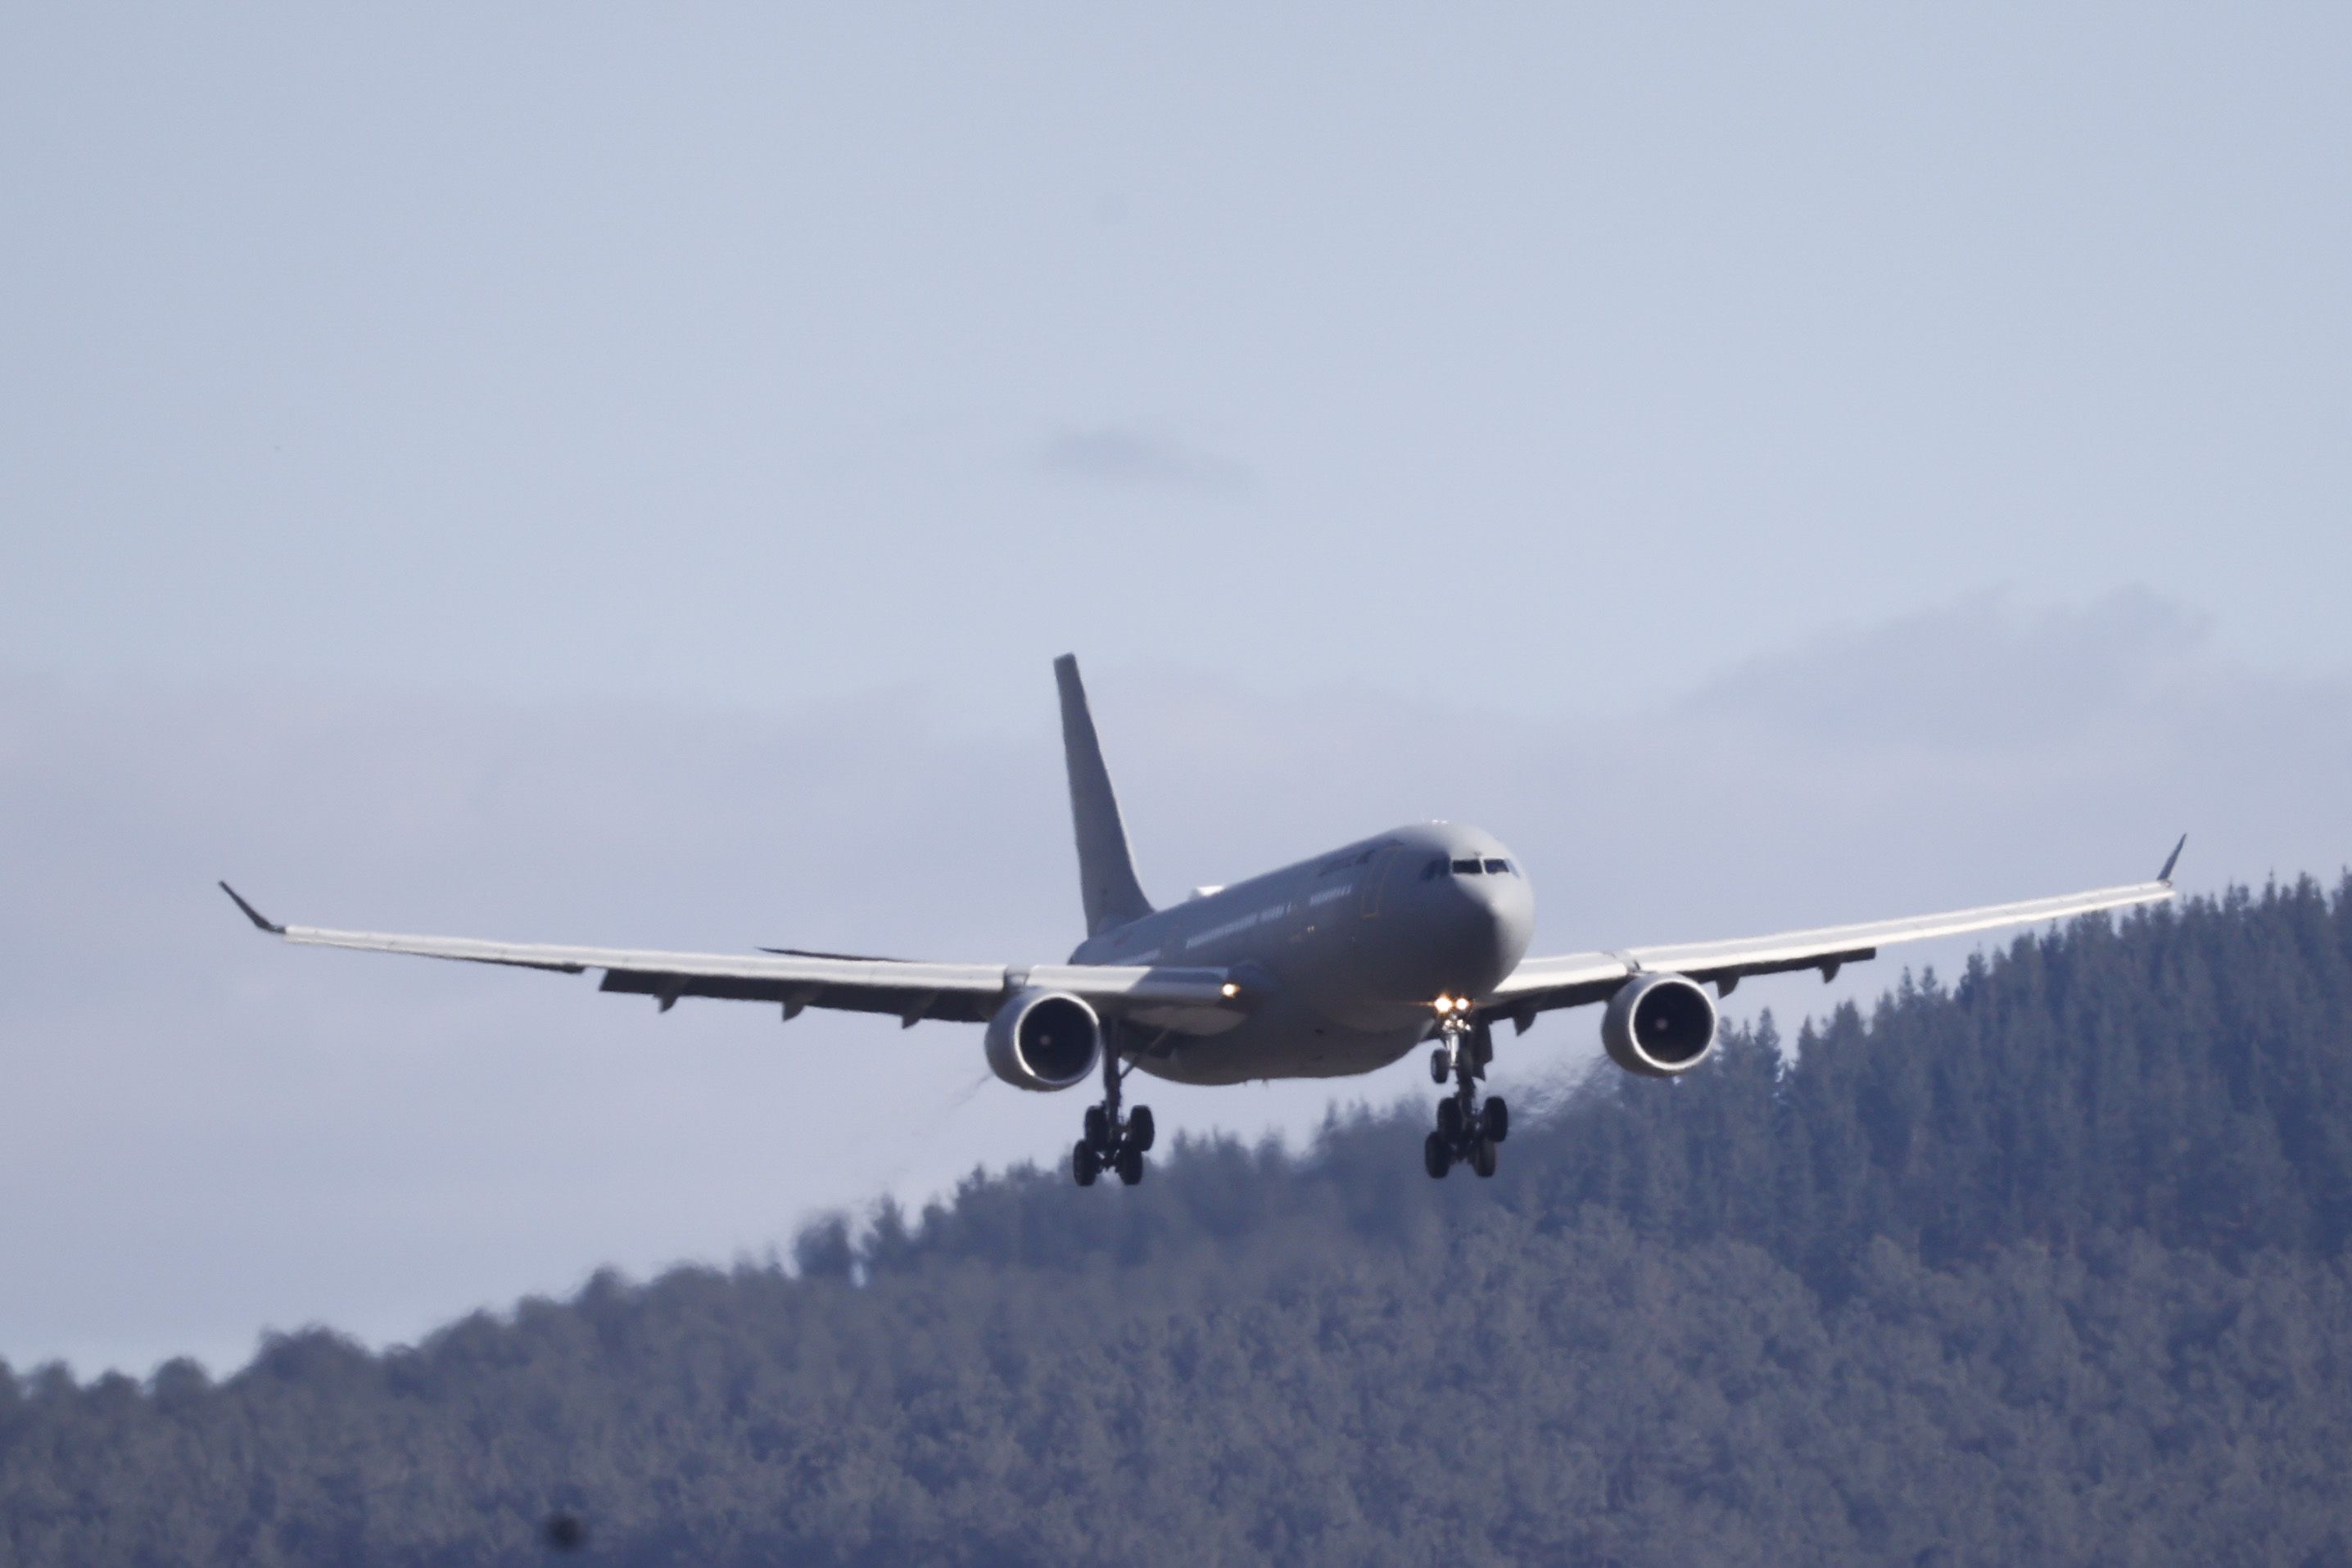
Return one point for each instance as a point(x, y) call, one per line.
point(218, 1133)
point(1126, 455)
point(1984, 671)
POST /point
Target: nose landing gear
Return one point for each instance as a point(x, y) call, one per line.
point(1112, 1142)
point(1468, 1129)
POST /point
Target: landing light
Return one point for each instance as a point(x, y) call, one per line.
point(1231, 990)
point(1445, 1004)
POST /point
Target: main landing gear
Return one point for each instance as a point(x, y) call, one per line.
point(1113, 1142)
point(1468, 1129)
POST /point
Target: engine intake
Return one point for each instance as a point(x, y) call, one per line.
point(1044, 1039)
point(1659, 1026)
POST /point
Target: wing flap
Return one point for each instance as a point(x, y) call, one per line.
point(1187, 1000)
point(909, 1004)
point(1572, 980)
point(786, 971)
point(1804, 949)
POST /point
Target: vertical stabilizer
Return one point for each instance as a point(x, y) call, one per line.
point(1106, 869)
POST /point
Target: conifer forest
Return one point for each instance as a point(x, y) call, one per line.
point(2043, 1263)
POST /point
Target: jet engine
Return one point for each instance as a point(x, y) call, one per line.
point(1044, 1039)
point(1659, 1024)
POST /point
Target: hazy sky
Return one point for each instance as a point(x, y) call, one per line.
point(620, 477)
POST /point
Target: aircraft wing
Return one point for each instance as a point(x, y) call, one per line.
point(1186, 1000)
point(1571, 979)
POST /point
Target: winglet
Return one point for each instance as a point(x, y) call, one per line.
point(252, 914)
point(2164, 876)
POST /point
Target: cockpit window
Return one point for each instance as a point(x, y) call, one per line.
point(1499, 867)
point(1434, 870)
point(1467, 868)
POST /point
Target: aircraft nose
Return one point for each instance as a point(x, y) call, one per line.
point(1509, 911)
point(1488, 922)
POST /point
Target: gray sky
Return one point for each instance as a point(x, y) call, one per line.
point(609, 477)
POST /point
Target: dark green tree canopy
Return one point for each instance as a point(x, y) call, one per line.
point(2045, 1265)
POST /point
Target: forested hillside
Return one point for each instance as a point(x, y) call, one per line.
point(2047, 1266)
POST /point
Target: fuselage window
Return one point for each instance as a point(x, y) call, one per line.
point(1465, 868)
point(1499, 867)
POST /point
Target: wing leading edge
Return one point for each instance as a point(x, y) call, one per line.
point(1187, 1001)
point(1572, 980)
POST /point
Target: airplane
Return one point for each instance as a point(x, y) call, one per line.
point(1337, 965)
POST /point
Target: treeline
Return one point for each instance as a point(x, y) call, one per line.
point(2049, 1265)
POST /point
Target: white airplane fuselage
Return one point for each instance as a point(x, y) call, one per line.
point(1352, 946)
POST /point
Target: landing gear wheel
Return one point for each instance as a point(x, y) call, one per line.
point(1113, 1142)
point(1468, 1128)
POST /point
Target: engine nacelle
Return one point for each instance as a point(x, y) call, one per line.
point(1044, 1039)
point(1659, 1024)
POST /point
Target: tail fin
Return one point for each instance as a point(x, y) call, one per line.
point(1106, 869)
